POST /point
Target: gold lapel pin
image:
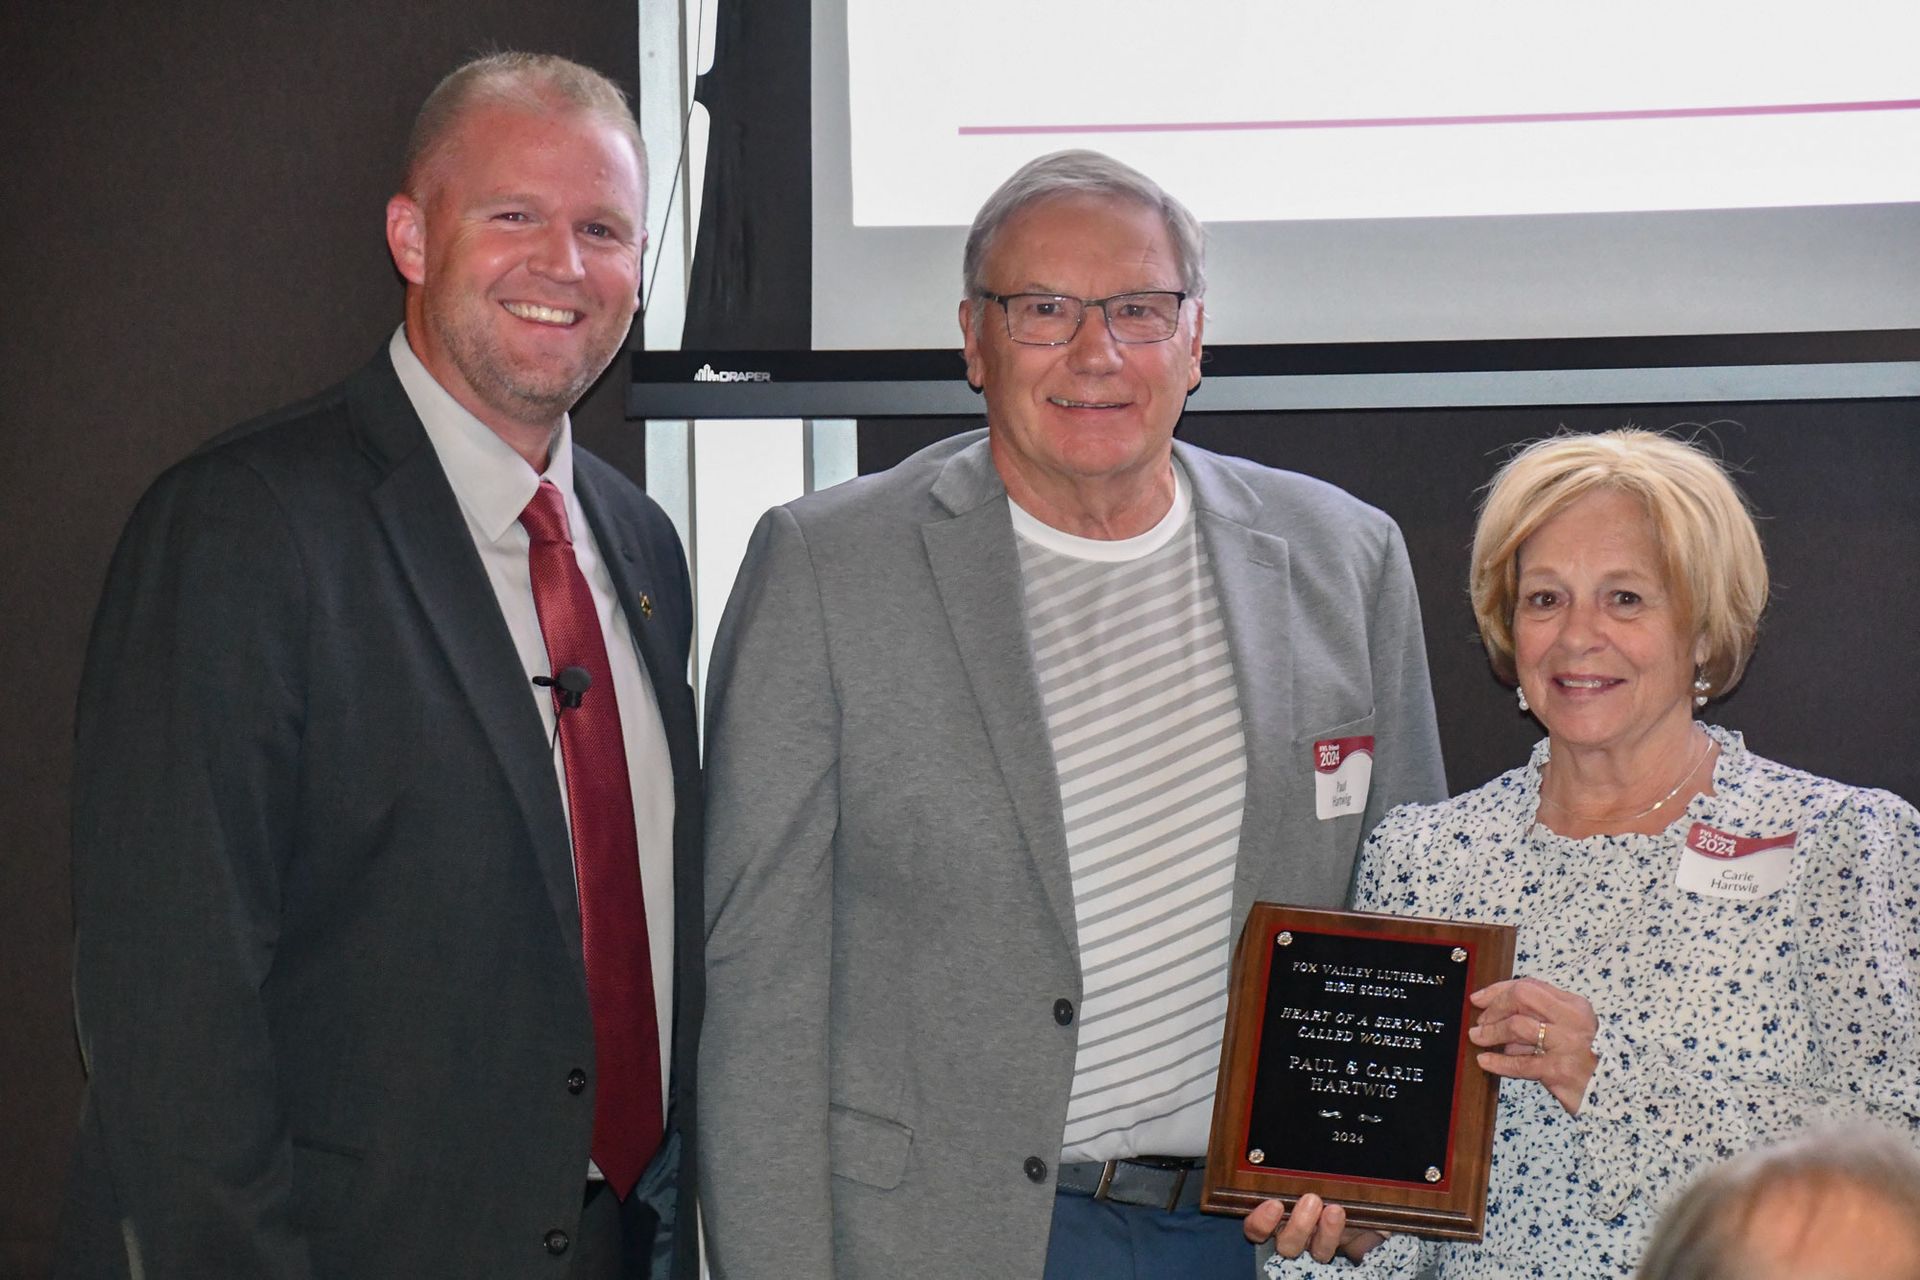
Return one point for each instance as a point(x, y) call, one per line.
point(646, 605)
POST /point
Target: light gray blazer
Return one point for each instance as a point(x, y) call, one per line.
point(890, 917)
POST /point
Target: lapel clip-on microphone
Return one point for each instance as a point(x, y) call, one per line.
point(573, 683)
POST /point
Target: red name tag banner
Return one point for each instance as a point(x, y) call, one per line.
point(1713, 843)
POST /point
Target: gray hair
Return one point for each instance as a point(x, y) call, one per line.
point(1065, 173)
point(1700, 1235)
point(533, 82)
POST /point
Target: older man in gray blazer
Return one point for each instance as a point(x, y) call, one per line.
point(1004, 743)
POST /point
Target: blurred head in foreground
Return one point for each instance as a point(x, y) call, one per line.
point(1830, 1204)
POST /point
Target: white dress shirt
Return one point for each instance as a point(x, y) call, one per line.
point(494, 485)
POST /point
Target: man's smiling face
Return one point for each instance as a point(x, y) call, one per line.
point(1092, 409)
point(526, 267)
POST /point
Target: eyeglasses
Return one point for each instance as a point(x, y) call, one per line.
point(1050, 320)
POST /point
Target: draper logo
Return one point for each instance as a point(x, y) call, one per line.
point(707, 373)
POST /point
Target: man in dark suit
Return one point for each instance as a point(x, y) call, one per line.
point(386, 798)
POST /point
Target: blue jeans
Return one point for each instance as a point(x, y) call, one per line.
point(1100, 1240)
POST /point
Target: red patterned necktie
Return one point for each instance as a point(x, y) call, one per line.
point(627, 1123)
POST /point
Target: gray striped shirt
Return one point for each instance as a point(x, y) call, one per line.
point(1137, 685)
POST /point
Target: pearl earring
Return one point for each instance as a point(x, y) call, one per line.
point(1702, 688)
point(1523, 697)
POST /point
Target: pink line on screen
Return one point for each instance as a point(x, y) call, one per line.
point(1410, 122)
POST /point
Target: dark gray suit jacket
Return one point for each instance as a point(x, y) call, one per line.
point(328, 965)
point(891, 913)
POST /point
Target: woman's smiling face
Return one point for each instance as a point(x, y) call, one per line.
point(1604, 650)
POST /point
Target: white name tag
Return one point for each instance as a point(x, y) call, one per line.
point(1719, 865)
point(1342, 772)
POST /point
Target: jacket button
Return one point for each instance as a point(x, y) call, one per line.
point(1036, 1169)
point(576, 1081)
point(1063, 1011)
point(557, 1242)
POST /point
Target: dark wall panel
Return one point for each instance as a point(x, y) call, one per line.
point(1833, 688)
point(752, 277)
point(194, 208)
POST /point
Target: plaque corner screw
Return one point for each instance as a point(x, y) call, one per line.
point(1256, 1156)
point(1433, 1174)
point(1459, 954)
point(1283, 939)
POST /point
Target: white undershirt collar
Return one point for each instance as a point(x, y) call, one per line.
point(1035, 530)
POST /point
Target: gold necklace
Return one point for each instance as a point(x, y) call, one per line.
point(1691, 770)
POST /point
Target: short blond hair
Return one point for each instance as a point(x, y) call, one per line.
point(532, 82)
point(1708, 544)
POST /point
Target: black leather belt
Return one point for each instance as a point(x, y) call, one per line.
point(1152, 1182)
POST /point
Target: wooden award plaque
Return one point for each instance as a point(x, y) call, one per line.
point(1347, 1072)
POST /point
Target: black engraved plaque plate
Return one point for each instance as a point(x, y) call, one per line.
point(1356, 1068)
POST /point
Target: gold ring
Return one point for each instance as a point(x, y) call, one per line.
point(1540, 1040)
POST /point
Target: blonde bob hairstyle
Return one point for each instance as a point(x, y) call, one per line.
point(1711, 552)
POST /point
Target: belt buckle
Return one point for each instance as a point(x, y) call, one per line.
point(1177, 1166)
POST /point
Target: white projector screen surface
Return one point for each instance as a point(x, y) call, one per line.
point(1376, 170)
point(1394, 108)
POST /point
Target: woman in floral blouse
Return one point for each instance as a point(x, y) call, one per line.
point(1716, 950)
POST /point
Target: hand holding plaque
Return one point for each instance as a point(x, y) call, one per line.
point(1347, 1072)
